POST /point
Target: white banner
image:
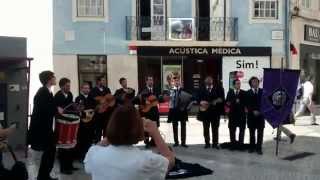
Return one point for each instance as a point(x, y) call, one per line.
point(243, 68)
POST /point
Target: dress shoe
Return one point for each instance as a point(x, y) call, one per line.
point(315, 124)
point(184, 145)
point(48, 178)
point(66, 172)
point(259, 152)
point(215, 146)
point(176, 145)
point(207, 146)
point(292, 137)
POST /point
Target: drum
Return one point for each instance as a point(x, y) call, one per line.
point(67, 126)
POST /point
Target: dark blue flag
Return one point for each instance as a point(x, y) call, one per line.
point(279, 91)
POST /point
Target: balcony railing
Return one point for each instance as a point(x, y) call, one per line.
point(158, 28)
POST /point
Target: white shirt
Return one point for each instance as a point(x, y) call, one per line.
point(124, 163)
point(307, 89)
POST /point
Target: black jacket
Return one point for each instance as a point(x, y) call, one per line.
point(254, 104)
point(119, 95)
point(237, 105)
point(40, 134)
point(85, 101)
point(213, 112)
point(153, 114)
point(62, 101)
point(95, 92)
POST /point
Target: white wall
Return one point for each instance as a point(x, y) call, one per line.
point(122, 66)
point(67, 66)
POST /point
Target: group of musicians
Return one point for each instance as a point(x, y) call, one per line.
point(97, 104)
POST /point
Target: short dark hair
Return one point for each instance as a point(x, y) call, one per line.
point(235, 81)
point(99, 78)
point(253, 78)
point(85, 84)
point(45, 77)
point(125, 126)
point(63, 81)
point(122, 79)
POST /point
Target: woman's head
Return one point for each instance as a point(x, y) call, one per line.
point(125, 126)
point(47, 78)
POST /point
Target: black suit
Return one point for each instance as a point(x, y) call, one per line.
point(65, 156)
point(40, 134)
point(153, 113)
point(100, 119)
point(237, 115)
point(212, 115)
point(255, 122)
point(178, 113)
point(121, 92)
point(86, 130)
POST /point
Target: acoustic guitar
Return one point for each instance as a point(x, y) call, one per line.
point(89, 113)
point(151, 102)
point(204, 105)
point(105, 102)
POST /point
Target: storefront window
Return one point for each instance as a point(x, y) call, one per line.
point(90, 67)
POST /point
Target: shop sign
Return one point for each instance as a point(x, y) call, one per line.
point(197, 51)
point(312, 33)
point(243, 68)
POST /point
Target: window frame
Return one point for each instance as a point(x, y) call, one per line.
point(304, 4)
point(77, 18)
point(271, 20)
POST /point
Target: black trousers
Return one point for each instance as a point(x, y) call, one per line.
point(183, 125)
point(232, 131)
point(215, 131)
point(47, 162)
point(65, 157)
point(256, 145)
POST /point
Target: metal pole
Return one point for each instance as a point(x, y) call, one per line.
point(278, 129)
point(224, 19)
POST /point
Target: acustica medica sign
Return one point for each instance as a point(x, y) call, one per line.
point(203, 51)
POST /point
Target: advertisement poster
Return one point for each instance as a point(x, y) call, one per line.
point(181, 28)
point(243, 68)
point(167, 72)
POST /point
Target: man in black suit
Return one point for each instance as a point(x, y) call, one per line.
point(235, 105)
point(99, 119)
point(40, 134)
point(153, 113)
point(86, 129)
point(63, 99)
point(179, 101)
point(125, 94)
point(255, 118)
point(211, 97)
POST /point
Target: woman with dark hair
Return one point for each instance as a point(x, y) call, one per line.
point(40, 134)
point(116, 157)
point(255, 117)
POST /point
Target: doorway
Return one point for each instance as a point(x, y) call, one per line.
point(144, 19)
point(203, 19)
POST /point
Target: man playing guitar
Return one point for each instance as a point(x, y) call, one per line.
point(211, 98)
point(125, 94)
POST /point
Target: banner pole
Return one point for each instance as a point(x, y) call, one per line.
point(278, 129)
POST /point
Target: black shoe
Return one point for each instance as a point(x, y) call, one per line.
point(259, 152)
point(66, 171)
point(207, 146)
point(184, 145)
point(74, 169)
point(48, 178)
point(315, 124)
point(147, 146)
point(215, 146)
point(292, 137)
point(176, 145)
point(251, 150)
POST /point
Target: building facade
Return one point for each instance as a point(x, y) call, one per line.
point(306, 39)
point(226, 39)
